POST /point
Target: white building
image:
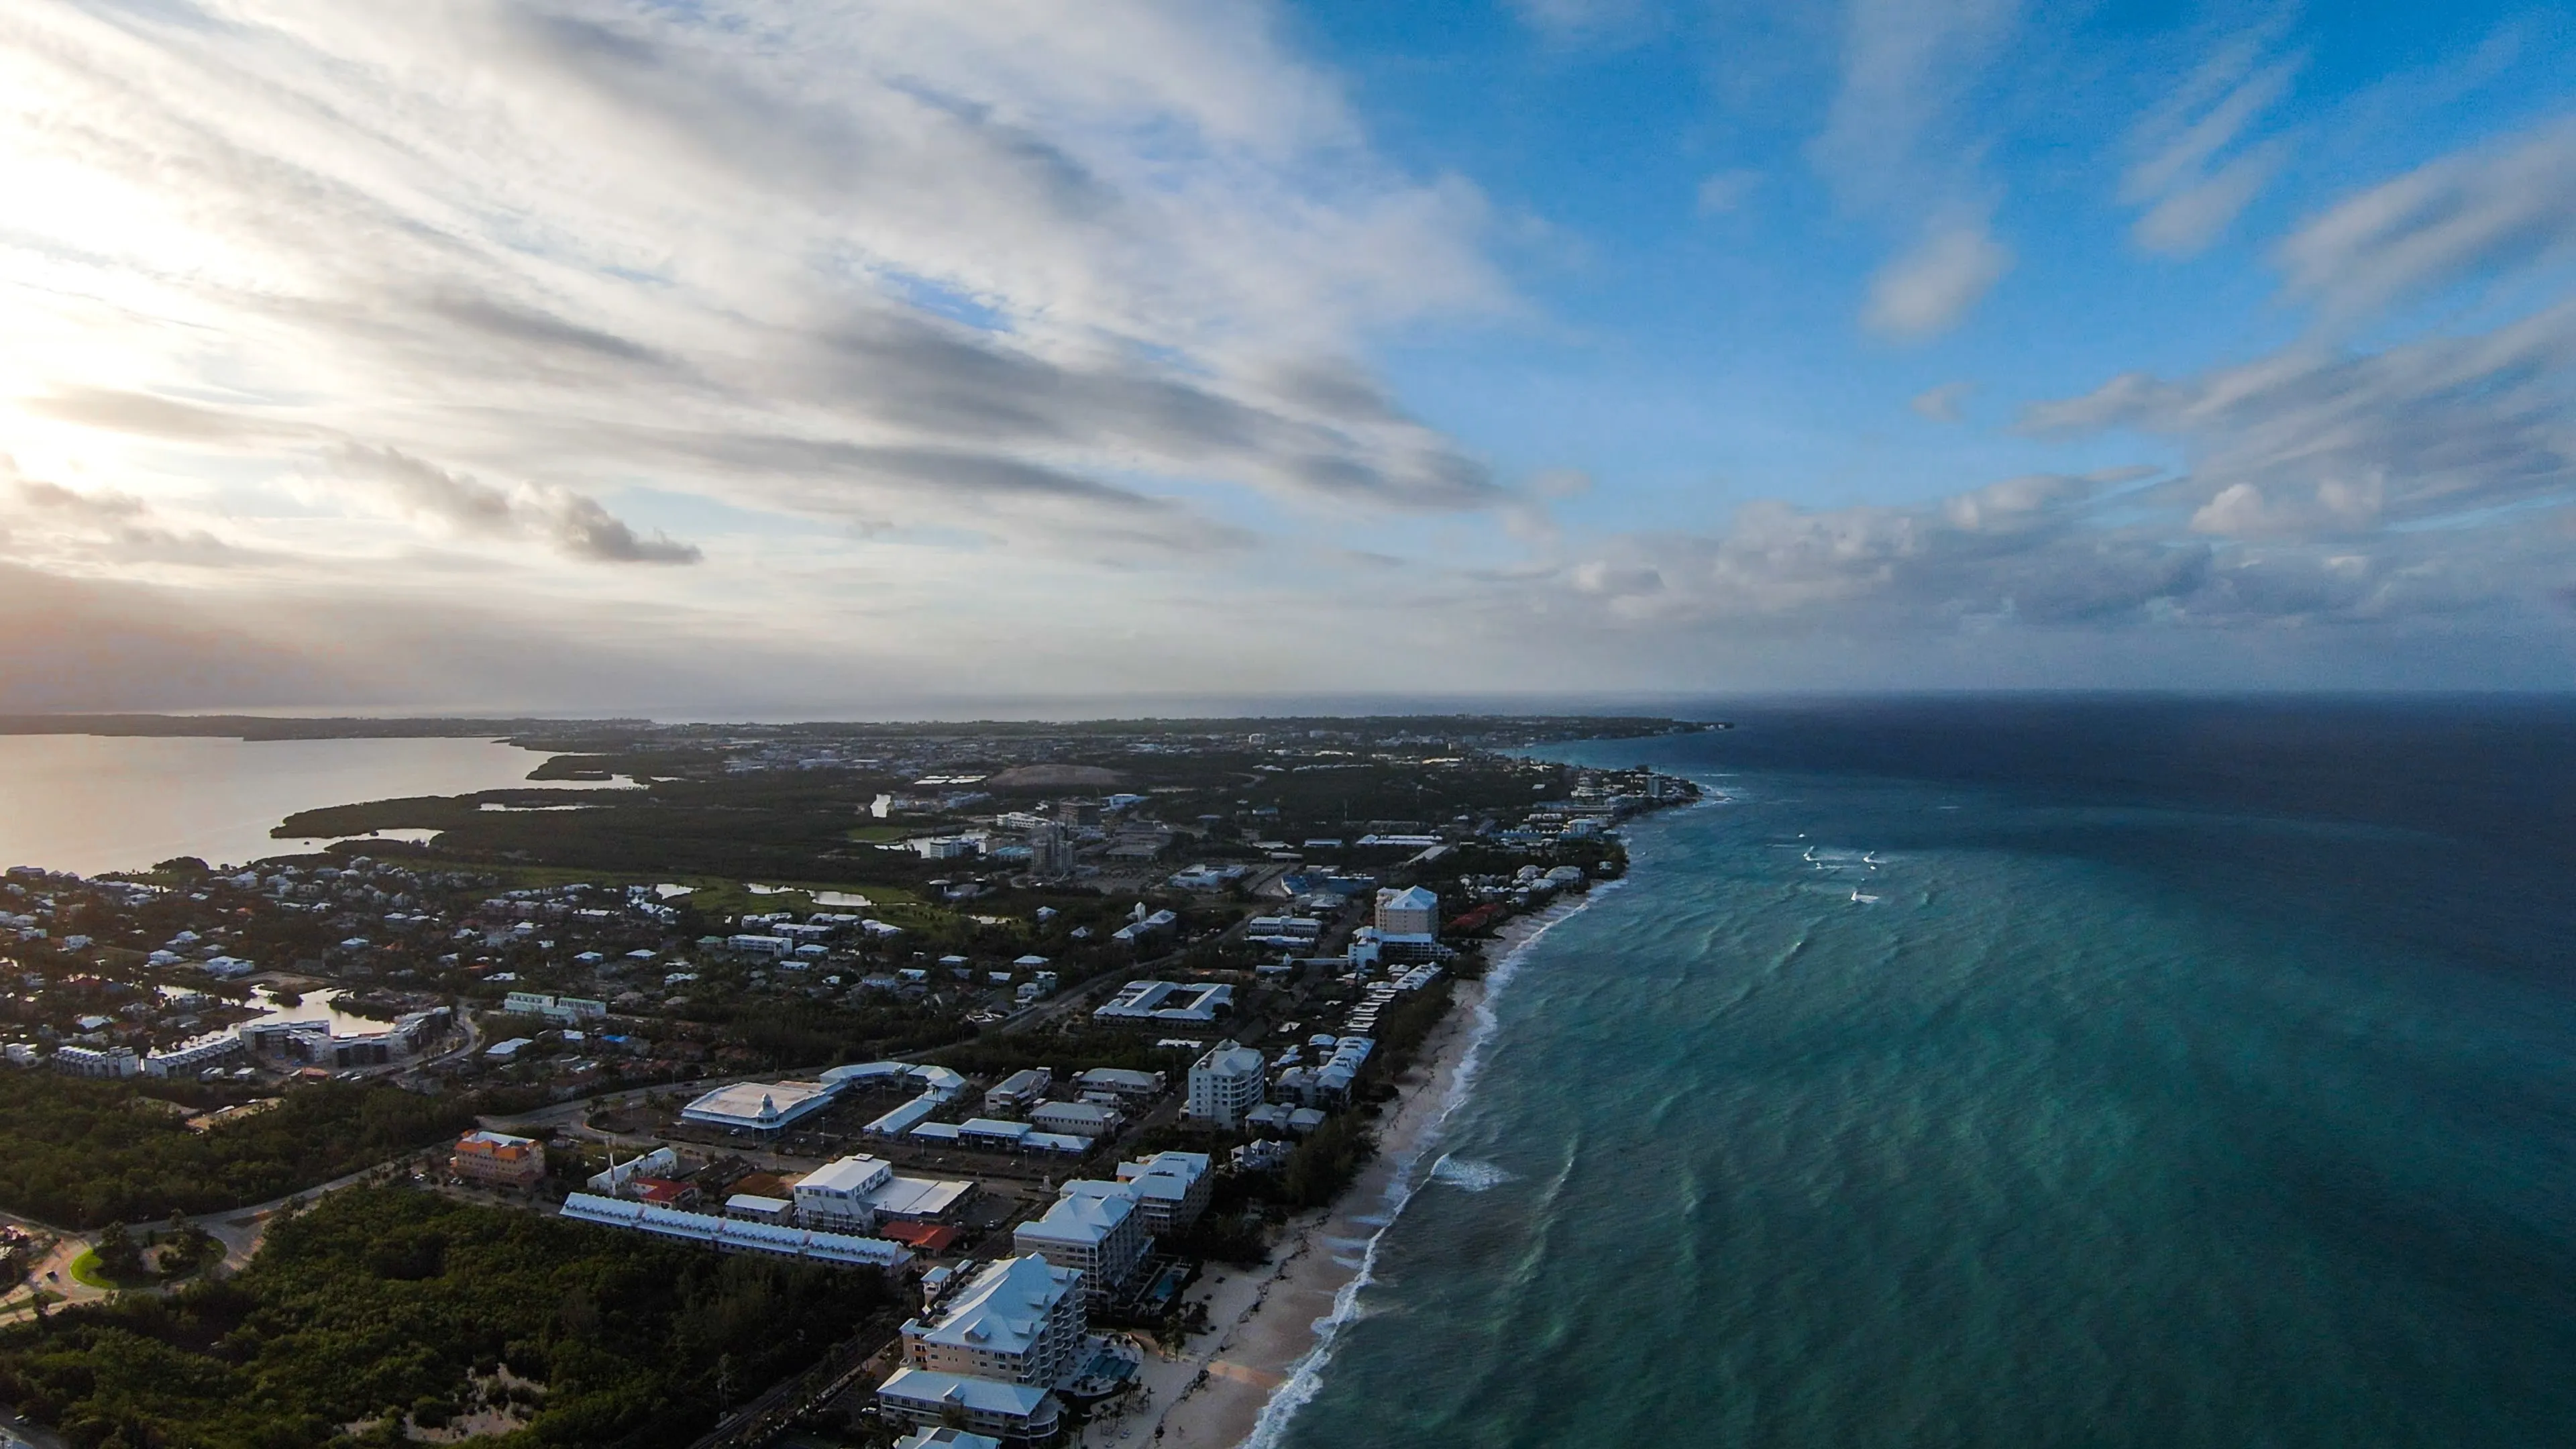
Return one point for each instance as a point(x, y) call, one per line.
point(765, 1107)
point(1166, 1003)
point(987, 1406)
point(191, 1056)
point(836, 1196)
point(1224, 1085)
point(1020, 1321)
point(82, 1061)
point(1095, 1228)
point(946, 1439)
point(1119, 1082)
point(660, 1162)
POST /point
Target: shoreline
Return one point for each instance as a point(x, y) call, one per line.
point(1272, 1328)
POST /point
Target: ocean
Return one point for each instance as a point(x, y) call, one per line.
point(1993, 1072)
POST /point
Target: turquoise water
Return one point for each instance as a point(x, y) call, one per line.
point(2118, 1117)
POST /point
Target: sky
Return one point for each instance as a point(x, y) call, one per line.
point(730, 358)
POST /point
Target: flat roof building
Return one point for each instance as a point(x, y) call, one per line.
point(764, 1107)
point(1166, 1003)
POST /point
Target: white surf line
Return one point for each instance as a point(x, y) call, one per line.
point(1306, 1377)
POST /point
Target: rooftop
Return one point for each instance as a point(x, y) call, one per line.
point(1087, 1213)
point(1004, 1310)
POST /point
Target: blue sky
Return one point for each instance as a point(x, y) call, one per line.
point(779, 356)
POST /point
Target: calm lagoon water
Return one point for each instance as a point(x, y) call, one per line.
point(1990, 1075)
point(91, 803)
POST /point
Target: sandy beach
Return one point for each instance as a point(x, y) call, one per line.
point(1264, 1321)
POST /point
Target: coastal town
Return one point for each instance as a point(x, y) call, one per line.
point(1069, 1041)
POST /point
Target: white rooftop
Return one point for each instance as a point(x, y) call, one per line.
point(1004, 1310)
point(1086, 1215)
point(849, 1176)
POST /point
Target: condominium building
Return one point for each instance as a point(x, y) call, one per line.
point(1224, 1085)
point(1095, 1228)
point(1172, 1189)
point(1020, 1321)
point(80, 1061)
point(1412, 912)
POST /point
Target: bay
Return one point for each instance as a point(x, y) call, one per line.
point(92, 803)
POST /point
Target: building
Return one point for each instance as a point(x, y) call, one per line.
point(660, 1162)
point(1119, 1082)
point(736, 1234)
point(946, 1439)
point(80, 1061)
point(567, 1009)
point(499, 1159)
point(836, 1196)
point(1080, 1119)
point(1412, 913)
point(190, 1057)
point(1166, 1003)
point(986, 1406)
point(1016, 1091)
point(1050, 851)
point(1224, 1085)
point(1172, 1189)
point(1020, 1321)
point(1094, 1228)
point(763, 1107)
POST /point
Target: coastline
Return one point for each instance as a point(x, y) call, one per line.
point(1272, 1328)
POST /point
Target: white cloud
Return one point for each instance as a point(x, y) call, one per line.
point(2196, 169)
point(1928, 290)
point(1724, 191)
point(2466, 215)
point(1942, 404)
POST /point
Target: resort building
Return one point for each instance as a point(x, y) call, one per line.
point(80, 1061)
point(1412, 912)
point(1094, 1228)
point(946, 1439)
point(1224, 1085)
point(989, 1407)
point(499, 1159)
point(1020, 1320)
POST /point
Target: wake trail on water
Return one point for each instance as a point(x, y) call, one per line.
point(1307, 1377)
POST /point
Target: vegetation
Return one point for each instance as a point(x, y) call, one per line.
point(84, 1154)
point(383, 1305)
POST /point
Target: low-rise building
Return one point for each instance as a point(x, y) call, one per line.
point(945, 1438)
point(1166, 1003)
point(499, 1159)
point(1079, 1119)
point(110, 1062)
point(1225, 1085)
point(987, 1406)
point(1095, 1228)
point(1120, 1082)
point(763, 1107)
point(1016, 1091)
point(836, 1195)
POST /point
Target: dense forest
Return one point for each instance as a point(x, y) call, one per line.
point(83, 1154)
point(386, 1304)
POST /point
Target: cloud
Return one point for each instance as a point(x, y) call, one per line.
point(1942, 404)
point(1058, 289)
point(571, 524)
point(2317, 442)
point(1928, 290)
point(93, 528)
point(2466, 215)
point(2190, 194)
point(1581, 19)
point(1724, 191)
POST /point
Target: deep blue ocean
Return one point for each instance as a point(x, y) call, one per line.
point(2097, 1072)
